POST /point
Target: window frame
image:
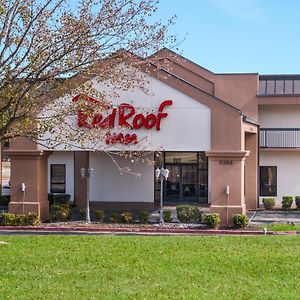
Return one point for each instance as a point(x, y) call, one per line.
point(261, 189)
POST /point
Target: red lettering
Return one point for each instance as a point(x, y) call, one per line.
point(125, 112)
point(138, 121)
point(119, 137)
point(96, 120)
point(160, 114)
point(82, 117)
point(109, 121)
point(123, 117)
point(150, 121)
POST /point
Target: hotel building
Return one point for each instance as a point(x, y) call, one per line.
point(227, 139)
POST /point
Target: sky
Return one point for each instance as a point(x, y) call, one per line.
point(233, 36)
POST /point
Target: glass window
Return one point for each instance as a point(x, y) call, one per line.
point(268, 181)
point(262, 87)
point(296, 86)
point(279, 87)
point(270, 87)
point(58, 178)
point(181, 157)
point(288, 86)
point(188, 177)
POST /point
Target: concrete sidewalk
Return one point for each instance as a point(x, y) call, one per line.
point(274, 216)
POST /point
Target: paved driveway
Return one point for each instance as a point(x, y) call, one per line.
point(275, 217)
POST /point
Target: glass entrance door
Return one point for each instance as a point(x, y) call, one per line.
point(189, 182)
point(182, 183)
point(188, 177)
point(173, 184)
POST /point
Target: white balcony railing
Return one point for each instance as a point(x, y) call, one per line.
point(279, 138)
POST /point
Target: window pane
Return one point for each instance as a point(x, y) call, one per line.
point(262, 87)
point(268, 181)
point(58, 178)
point(270, 87)
point(58, 188)
point(296, 86)
point(181, 157)
point(279, 87)
point(288, 87)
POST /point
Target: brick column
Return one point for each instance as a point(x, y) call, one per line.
point(29, 167)
point(226, 168)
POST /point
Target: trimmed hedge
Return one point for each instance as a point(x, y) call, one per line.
point(61, 198)
point(240, 221)
point(287, 202)
point(297, 201)
point(167, 216)
point(115, 218)
point(212, 220)
point(60, 212)
point(144, 217)
point(8, 219)
point(99, 215)
point(188, 214)
point(82, 214)
point(4, 200)
point(269, 202)
point(127, 217)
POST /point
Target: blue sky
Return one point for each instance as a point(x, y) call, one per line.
point(238, 35)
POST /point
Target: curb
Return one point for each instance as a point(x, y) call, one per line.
point(131, 230)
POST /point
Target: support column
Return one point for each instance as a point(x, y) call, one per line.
point(226, 168)
point(251, 143)
point(29, 167)
point(81, 159)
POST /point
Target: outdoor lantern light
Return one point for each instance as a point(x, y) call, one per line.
point(157, 173)
point(82, 172)
point(161, 175)
point(86, 174)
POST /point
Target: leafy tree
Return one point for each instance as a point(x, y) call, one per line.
point(45, 44)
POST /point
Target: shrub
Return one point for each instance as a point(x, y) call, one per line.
point(287, 202)
point(32, 219)
point(4, 200)
point(297, 200)
point(143, 217)
point(7, 219)
point(269, 202)
point(61, 198)
point(60, 212)
point(212, 220)
point(188, 214)
point(167, 216)
point(240, 221)
point(99, 215)
point(82, 214)
point(127, 217)
point(115, 218)
point(20, 220)
point(51, 199)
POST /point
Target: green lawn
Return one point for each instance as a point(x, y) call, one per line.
point(108, 267)
point(281, 227)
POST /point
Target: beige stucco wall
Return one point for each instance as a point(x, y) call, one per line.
point(288, 171)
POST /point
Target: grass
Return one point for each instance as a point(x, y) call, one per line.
point(281, 227)
point(127, 267)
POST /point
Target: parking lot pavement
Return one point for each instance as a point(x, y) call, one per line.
point(275, 216)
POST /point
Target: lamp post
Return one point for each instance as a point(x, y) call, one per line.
point(161, 175)
point(87, 173)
